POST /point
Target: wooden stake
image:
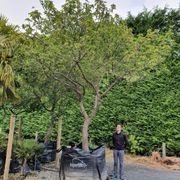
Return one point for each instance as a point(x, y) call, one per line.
point(9, 147)
point(36, 136)
point(58, 140)
point(163, 150)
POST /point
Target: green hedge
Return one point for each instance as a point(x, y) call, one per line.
point(149, 109)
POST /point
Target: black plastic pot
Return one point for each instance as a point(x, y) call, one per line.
point(34, 165)
point(14, 166)
point(50, 145)
point(77, 164)
point(2, 161)
point(49, 153)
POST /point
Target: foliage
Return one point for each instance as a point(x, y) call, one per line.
point(149, 109)
point(8, 35)
point(134, 145)
point(161, 19)
point(3, 140)
point(27, 149)
point(173, 147)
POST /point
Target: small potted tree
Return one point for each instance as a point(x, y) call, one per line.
point(26, 150)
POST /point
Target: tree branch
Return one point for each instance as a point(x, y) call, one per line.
point(111, 86)
point(76, 61)
point(36, 94)
point(83, 111)
point(76, 85)
point(96, 105)
point(83, 75)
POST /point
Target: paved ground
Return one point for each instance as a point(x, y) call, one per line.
point(132, 172)
point(139, 172)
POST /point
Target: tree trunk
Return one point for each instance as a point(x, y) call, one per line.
point(49, 131)
point(85, 142)
point(24, 167)
point(24, 163)
point(59, 140)
point(87, 120)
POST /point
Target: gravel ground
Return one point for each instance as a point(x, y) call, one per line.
point(132, 172)
point(139, 172)
point(135, 172)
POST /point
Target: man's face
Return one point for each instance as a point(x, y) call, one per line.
point(118, 127)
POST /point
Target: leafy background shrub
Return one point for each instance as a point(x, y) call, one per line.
point(148, 108)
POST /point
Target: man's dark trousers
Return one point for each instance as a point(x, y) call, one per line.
point(118, 157)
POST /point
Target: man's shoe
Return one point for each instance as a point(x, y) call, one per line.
point(114, 176)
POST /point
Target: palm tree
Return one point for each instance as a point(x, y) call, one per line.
point(7, 87)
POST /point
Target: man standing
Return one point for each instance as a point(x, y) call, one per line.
point(120, 142)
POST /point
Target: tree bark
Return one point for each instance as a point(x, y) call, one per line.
point(88, 119)
point(85, 142)
point(59, 140)
point(96, 105)
point(49, 131)
point(23, 169)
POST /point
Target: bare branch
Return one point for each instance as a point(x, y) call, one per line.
point(111, 86)
point(75, 83)
point(83, 111)
point(82, 73)
point(76, 61)
point(76, 86)
point(36, 94)
point(79, 93)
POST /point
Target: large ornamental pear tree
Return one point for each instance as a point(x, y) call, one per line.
point(95, 51)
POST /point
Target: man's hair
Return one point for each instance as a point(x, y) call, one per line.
point(119, 124)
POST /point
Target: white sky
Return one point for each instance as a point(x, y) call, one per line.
point(17, 10)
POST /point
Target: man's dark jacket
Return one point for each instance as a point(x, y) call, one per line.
point(120, 141)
